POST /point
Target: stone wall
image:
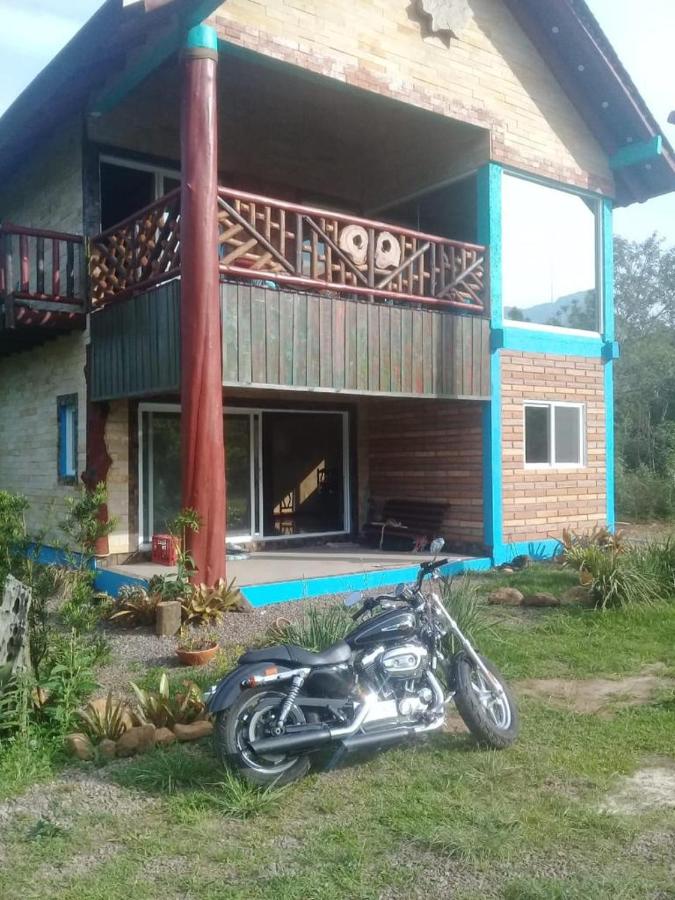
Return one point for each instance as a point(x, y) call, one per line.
point(540, 502)
point(117, 443)
point(46, 191)
point(31, 382)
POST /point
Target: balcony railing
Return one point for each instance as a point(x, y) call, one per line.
point(320, 250)
point(285, 244)
point(136, 253)
point(42, 277)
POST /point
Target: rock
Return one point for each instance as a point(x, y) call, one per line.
point(136, 740)
point(98, 706)
point(15, 600)
point(579, 595)
point(79, 746)
point(168, 617)
point(194, 731)
point(164, 736)
point(541, 599)
point(107, 749)
point(506, 596)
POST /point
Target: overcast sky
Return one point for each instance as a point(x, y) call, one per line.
point(642, 31)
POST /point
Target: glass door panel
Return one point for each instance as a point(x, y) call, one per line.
point(238, 474)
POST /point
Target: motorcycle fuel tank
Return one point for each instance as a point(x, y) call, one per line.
point(389, 626)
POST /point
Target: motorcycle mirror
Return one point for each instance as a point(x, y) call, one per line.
point(399, 589)
point(353, 599)
point(437, 545)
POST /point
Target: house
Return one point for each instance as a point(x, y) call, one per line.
point(373, 239)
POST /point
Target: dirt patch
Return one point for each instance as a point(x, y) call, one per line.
point(597, 695)
point(74, 794)
point(647, 789)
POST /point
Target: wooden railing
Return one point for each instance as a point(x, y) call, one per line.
point(136, 253)
point(288, 244)
point(42, 277)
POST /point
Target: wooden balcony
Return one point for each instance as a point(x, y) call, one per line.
point(310, 300)
point(294, 246)
point(42, 284)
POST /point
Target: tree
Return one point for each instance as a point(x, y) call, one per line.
point(645, 374)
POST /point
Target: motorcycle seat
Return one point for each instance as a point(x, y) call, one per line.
point(291, 653)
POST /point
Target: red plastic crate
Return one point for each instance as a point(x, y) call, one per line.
point(164, 549)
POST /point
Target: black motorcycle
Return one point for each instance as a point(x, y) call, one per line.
point(390, 679)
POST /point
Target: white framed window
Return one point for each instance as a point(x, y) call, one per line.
point(554, 434)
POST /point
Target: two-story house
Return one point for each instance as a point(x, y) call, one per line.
point(373, 240)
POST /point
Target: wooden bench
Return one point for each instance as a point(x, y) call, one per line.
point(405, 525)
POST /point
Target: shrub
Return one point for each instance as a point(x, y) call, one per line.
point(135, 606)
point(615, 579)
point(83, 606)
point(462, 599)
point(319, 628)
point(168, 706)
point(643, 495)
point(109, 722)
point(599, 536)
point(12, 531)
point(204, 604)
point(83, 524)
point(67, 681)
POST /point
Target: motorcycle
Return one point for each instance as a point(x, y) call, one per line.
point(390, 679)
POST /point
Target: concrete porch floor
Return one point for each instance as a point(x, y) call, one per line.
point(275, 576)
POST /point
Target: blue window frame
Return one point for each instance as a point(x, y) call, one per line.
point(66, 407)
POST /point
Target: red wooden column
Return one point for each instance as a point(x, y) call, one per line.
point(202, 441)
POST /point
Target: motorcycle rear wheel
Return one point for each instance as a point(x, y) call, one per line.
point(246, 721)
point(492, 719)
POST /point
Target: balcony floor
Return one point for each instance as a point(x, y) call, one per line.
point(275, 576)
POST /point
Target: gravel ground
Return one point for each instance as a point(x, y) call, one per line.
point(137, 649)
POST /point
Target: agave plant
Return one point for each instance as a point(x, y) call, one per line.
point(165, 708)
point(209, 604)
point(109, 721)
point(136, 606)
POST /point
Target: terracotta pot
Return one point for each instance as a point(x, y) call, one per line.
point(196, 657)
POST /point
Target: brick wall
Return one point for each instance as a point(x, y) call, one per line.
point(538, 503)
point(31, 382)
point(491, 76)
point(429, 450)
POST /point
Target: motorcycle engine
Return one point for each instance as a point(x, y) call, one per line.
point(397, 674)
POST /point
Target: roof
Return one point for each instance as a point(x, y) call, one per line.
point(564, 31)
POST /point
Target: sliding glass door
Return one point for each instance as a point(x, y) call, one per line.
point(286, 472)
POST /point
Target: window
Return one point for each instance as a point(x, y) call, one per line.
point(550, 255)
point(554, 434)
point(66, 408)
point(127, 187)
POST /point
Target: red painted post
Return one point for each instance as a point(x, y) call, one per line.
point(202, 439)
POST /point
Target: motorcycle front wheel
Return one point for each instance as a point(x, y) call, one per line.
point(248, 719)
point(491, 717)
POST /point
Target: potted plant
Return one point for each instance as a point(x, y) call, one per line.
point(196, 649)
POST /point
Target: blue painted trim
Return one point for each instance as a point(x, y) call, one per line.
point(202, 36)
point(111, 582)
point(610, 353)
point(633, 154)
point(281, 592)
point(535, 341)
point(489, 233)
point(55, 556)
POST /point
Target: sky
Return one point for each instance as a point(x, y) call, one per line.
point(642, 32)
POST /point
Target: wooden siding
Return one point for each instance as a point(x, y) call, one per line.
point(293, 340)
point(135, 345)
point(320, 342)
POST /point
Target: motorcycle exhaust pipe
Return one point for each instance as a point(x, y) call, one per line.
point(376, 739)
point(312, 737)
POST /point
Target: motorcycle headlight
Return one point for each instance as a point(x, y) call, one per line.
point(206, 696)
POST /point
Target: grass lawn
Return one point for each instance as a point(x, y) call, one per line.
point(439, 819)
